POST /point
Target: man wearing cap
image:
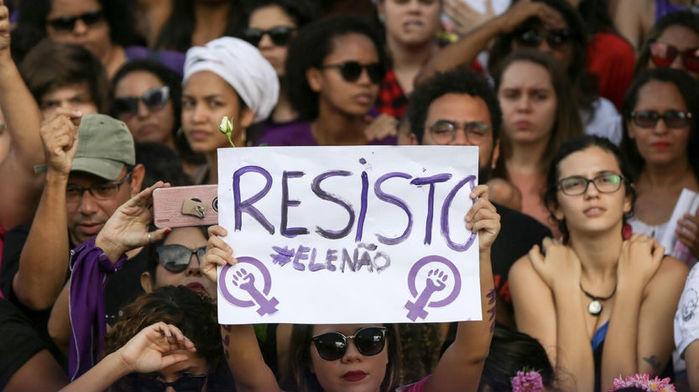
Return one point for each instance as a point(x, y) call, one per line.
point(90, 172)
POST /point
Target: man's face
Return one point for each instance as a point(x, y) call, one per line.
point(89, 210)
point(460, 109)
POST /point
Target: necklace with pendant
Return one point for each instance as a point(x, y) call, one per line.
point(595, 306)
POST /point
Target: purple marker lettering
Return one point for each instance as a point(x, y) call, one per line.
point(247, 205)
point(385, 264)
point(315, 187)
point(365, 259)
point(289, 232)
point(347, 259)
point(430, 199)
point(330, 256)
point(312, 265)
point(381, 195)
point(301, 254)
point(445, 216)
point(362, 211)
point(283, 255)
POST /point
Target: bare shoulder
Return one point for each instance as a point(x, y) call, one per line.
point(671, 273)
point(523, 273)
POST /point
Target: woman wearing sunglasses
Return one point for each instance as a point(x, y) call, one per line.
point(600, 305)
point(335, 358)
point(167, 340)
point(552, 27)
point(333, 71)
point(673, 43)
point(661, 141)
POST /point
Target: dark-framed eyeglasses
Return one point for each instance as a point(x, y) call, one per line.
point(444, 131)
point(604, 183)
point(176, 258)
point(555, 38)
point(332, 346)
point(67, 23)
point(663, 55)
point(280, 35)
point(351, 71)
point(151, 383)
point(154, 99)
point(672, 118)
point(103, 191)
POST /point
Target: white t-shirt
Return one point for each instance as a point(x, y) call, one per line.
point(604, 120)
point(687, 316)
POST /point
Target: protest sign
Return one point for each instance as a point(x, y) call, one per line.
point(364, 234)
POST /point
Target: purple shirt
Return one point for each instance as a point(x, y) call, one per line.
point(298, 133)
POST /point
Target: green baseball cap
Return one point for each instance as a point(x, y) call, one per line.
point(105, 145)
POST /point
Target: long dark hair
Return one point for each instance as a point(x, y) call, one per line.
point(567, 123)
point(301, 378)
point(688, 88)
point(584, 84)
point(310, 48)
point(578, 144)
point(687, 19)
point(177, 31)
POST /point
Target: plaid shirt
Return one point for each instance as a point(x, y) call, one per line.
point(391, 100)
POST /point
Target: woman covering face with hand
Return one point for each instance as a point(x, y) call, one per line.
point(600, 305)
point(363, 357)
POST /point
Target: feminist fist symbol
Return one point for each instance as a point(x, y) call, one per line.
point(246, 282)
point(435, 282)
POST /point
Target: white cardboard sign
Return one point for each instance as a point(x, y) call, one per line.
point(371, 234)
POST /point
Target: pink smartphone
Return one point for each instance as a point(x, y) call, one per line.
point(185, 206)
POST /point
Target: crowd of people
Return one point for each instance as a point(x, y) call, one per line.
point(585, 114)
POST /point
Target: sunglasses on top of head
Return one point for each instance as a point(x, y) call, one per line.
point(67, 23)
point(332, 346)
point(176, 258)
point(351, 71)
point(533, 37)
point(280, 35)
point(663, 55)
point(154, 99)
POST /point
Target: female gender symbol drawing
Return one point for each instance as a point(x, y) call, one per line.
point(245, 281)
point(436, 281)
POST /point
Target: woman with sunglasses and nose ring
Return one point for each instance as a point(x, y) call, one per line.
point(333, 71)
point(602, 306)
point(661, 140)
point(339, 358)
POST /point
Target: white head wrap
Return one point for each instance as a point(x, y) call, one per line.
point(243, 67)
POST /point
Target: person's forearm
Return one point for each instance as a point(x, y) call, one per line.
point(59, 321)
point(22, 114)
point(250, 372)
point(100, 377)
point(465, 50)
point(620, 356)
point(462, 363)
point(43, 264)
point(574, 360)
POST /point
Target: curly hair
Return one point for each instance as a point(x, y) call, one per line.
point(687, 19)
point(192, 313)
point(460, 80)
point(579, 144)
point(688, 88)
point(69, 64)
point(300, 376)
point(310, 48)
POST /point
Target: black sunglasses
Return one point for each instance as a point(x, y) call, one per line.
point(650, 118)
point(67, 23)
point(176, 258)
point(351, 71)
point(534, 37)
point(150, 383)
point(280, 35)
point(154, 99)
point(332, 346)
